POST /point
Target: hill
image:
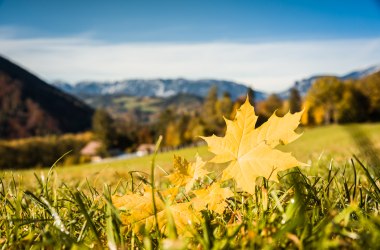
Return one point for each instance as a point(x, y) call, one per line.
point(143, 109)
point(29, 106)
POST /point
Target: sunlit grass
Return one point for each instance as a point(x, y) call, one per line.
point(109, 172)
point(335, 142)
point(318, 207)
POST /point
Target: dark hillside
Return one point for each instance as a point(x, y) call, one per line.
point(29, 106)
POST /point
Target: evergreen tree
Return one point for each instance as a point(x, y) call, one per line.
point(224, 106)
point(224, 109)
point(295, 101)
point(164, 119)
point(251, 96)
point(102, 126)
point(210, 101)
point(209, 113)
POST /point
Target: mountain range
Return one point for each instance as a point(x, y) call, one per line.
point(29, 106)
point(156, 88)
point(170, 87)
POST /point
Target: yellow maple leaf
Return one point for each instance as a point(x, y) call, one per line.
point(249, 151)
point(186, 173)
point(137, 207)
point(137, 210)
point(214, 197)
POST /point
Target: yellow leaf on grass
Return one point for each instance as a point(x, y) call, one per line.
point(186, 173)
point(137, 210)
point(249, 151)
point(170, 194)
point(214, 197)
point(136, 207)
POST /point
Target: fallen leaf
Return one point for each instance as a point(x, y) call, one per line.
point(137, 210)
point(186, 173)
point(214, 198)
point(251, 152)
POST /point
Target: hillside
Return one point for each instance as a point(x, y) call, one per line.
point(29, 106)
point(143, 109)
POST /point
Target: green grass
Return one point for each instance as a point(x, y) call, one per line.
point(335, 142)
point(332, 204)
point(145, 104)
point(106, 172)
point(121, 104)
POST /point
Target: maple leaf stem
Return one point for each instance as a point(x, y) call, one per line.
point(131, 174)
point(152, 184)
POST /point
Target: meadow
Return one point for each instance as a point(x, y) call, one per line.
point(335, 142)
point(333, 203)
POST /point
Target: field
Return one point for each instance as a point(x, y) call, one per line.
point(335, 142)
point(333, 203)
point(338, 142)
point(124, 103)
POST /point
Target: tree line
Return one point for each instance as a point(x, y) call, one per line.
point(332, 100)
point(43, 151)
point(329, 100)
point(177, 127)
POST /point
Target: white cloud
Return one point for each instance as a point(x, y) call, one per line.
point(265, 66)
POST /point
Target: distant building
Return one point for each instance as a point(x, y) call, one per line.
point(145, 149)
point(91, 150)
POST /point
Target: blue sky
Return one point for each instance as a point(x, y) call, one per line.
point(265, 44)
